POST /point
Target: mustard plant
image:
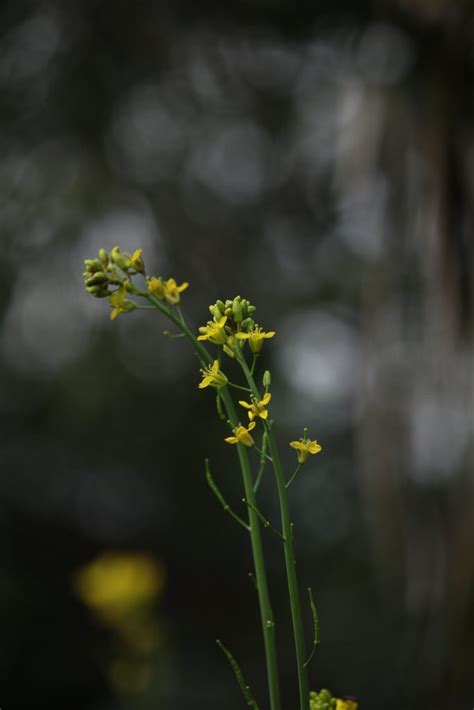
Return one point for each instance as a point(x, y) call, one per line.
point(122, 278)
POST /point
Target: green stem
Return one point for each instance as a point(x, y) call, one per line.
point(238, 387)
point(266, 614)
point(290, 562)
point(294, 476)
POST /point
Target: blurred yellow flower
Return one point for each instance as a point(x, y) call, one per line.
point(136, 261)
point(129, 677)
point(346, 704)
point(166, 290)
point(242, 435)
point(120, 304)
point(305, 447)
point(257, 409)
point(116, 584)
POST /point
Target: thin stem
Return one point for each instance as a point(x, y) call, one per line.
point(266, 614)
point(238, 387)
point(288, 484)
point(254, 360)
point(263, 455)
point(266, 523)
point(290, 562)
point(213, 486)
point(179, 312)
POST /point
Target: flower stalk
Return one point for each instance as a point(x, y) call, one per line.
point(231, 330)
point(287, 531)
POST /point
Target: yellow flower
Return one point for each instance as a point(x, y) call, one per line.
point(242, 435)
point(214, 331)
point(346, 704)
point(256, 336)
point(136, 261)
point(116, 584)
point(166, 290)
point(305, 447)
point(120, 304)
point(257, 409)
point(213, 377)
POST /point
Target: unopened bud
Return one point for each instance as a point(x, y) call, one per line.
point(118, 259)
point(267, 379)
point(103, 256)
point(98, 278)
point(93, 265)
point(215, 312)
point(237, 311)
point(220, 305)
point(97, 291)
point(251, 309)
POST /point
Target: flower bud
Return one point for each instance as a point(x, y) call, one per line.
point(93, 265)
point(267, 379)
point(97, 291)
point(103, 256)
point(251, 309)
point(98, 278)
point(237, 311)
point(215, 311)
point(118, 259)
point(220, 305)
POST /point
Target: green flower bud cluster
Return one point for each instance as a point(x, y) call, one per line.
point(102, 272)
point(322, 700)
point(238, 311)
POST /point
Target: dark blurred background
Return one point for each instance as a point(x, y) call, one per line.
point(318, 159)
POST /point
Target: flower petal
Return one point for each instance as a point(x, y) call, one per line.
point(296, 445)
point(245, 404)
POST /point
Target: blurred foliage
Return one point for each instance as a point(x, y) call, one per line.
point(318, 161)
